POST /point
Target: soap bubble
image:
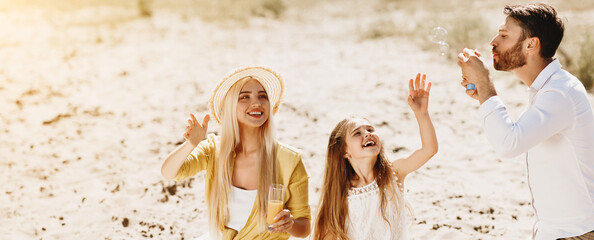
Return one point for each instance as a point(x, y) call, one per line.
point(443, 48)
point(438, 34)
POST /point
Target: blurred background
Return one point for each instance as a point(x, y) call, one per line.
point(95, 93)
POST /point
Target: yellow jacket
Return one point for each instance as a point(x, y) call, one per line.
point(291, 173)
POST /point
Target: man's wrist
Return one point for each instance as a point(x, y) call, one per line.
point(486, 91)
point(484, 79)
point(485, 87)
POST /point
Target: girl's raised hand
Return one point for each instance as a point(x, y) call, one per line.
point(195, 131)
point(418, 100)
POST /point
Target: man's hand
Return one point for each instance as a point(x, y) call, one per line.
point(473, 93)
point(474, 71)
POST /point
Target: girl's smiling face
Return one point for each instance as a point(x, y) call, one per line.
point(361, 140)
point(253, 107)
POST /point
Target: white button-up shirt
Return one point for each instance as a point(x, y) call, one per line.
point(557, 134)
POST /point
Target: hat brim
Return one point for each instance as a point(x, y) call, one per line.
point(270, 80)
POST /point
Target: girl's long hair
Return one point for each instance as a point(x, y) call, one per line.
point(230, 140)
point(333, 206)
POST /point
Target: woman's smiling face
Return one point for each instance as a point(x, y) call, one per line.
point(253, 107)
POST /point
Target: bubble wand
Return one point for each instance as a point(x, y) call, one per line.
point(470, 86)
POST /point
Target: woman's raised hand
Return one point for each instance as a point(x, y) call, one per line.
point(195, 131)
point(419, 94)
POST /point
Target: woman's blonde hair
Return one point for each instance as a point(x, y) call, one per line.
point(230, 140)
point(333, 207)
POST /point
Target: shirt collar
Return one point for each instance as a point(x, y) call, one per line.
point(545, 74)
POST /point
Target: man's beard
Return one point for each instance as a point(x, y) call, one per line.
point(510, 59)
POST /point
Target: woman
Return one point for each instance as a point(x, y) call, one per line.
point(244, 161)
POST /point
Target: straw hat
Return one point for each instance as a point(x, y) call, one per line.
point(270, 80)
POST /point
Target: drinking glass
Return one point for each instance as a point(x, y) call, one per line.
point(276, 199)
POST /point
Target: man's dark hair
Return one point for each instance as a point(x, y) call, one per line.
point(541, 21)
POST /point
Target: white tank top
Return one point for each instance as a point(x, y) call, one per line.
point(240, 206)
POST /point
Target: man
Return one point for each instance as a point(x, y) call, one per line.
point(556, 132)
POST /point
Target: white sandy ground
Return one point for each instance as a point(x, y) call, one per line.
point(91, 105)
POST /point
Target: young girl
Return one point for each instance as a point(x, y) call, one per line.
point(244, 161)
point(362, 196)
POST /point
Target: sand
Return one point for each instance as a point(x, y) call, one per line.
point(93, 99)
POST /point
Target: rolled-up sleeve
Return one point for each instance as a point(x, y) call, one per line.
point(198, 159)
point(298, 201)
point(550, 113)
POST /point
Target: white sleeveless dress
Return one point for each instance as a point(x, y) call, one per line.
point(365, 220)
